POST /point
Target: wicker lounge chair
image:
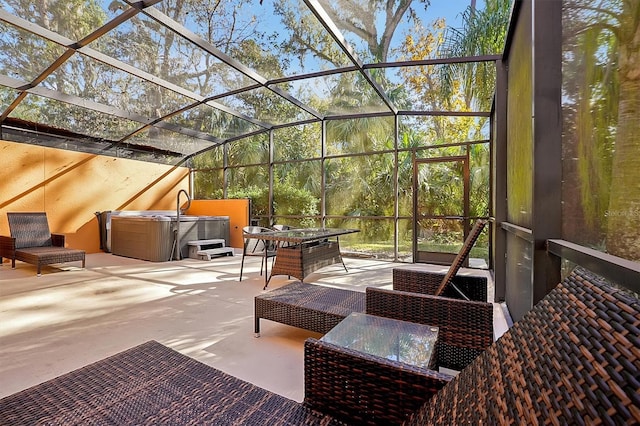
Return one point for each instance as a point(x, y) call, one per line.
point(319, 308)
point(573, 359)
point(466, 327)
point(32, 242)
point(447, 281)
point(153, 385)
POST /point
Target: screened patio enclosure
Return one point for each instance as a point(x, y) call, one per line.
point(404, 119)
point(318, 99)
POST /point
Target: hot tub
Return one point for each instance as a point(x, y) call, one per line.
point(152, 237)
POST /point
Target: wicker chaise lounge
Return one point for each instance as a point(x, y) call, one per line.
point(466, 327)
point(319, 308)
point(32, 242)
point(574, 359)
point(152, 385)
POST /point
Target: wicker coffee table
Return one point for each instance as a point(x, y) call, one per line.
point(373, 370)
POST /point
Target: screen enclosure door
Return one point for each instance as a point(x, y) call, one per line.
point(441, 206)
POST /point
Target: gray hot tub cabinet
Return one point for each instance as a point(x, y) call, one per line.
point(152, 237)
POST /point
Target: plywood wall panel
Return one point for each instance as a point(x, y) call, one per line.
point(72, 186)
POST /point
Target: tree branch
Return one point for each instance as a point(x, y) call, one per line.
point(600, 26)
point(393, 20)
point(595, 9)
point(349, 25)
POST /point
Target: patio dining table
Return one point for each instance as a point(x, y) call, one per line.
point(302, 251)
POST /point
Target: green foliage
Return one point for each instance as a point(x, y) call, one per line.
point(294, 201)
point(483, 32)
point(353, 136)
point(595, 142)
point(308, 36)
point(208, 183)
point(251, 150)
point(259, 196)
point(297, 142)
point(600, 110)
point(520, 130)
point(479, 175)
point(212, 158)
point(30, 55)
point(360, 17)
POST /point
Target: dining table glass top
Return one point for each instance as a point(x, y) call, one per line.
point(301, 235)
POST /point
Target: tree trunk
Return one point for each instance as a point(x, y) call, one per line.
point(623, 236)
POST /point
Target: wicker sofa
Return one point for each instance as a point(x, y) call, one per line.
point(573, 359)
point(32, 242)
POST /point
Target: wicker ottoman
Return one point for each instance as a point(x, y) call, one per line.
point(308, 306)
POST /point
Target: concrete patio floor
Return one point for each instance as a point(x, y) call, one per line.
point(70, 317)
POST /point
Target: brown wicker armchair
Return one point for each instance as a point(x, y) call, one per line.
point(32, 242)
point(382, 391)
point(573, 359)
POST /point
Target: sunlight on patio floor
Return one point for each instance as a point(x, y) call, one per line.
point(70, 317)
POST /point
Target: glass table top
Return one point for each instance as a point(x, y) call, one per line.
point(301, 235)
point(395, 340)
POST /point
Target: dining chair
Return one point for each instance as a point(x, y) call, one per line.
point(277, 227)
point(256, 246)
